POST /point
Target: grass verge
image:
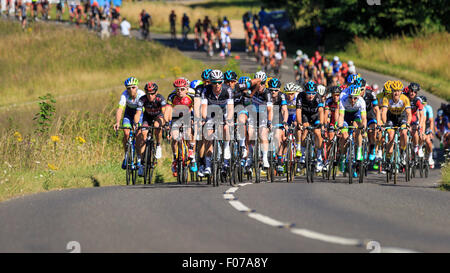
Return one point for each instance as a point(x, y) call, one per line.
point(423, 59)
point(445, 185)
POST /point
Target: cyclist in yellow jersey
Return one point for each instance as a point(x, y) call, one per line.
point(396, 112)
point(385, 92)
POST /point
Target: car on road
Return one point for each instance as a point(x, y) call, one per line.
point(279, 19)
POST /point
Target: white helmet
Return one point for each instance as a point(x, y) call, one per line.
point(326, 64)
point(290, 87)
point(298, 88)
point(187, 81)
point(216, 75)
point(352, 69)
point(336, 58)
point(321, 89)
point(299, 52)
point(350, 63)
point(261, 75)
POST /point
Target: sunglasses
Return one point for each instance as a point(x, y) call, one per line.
point(131, 87)
point(273, 90)
point(354, 97)
point(181, 89)
point(151, 94)
point(216, 83)
point(311, 93)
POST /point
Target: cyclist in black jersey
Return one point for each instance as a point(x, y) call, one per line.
point(310, 112)
point(220, 95)
point(373, 116)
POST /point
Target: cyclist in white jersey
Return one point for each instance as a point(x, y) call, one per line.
point(225, 32)
point(128, 103)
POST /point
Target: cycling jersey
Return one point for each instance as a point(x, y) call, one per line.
point(279, 100)
point(428, 112)
point(396, 108)
point(416, 105)
point(126, 101)
point(310, 108)
point(345, 105)
point(152, 108)
point(371, 101)
point(175, 100)
point(331, 106)
point(262, 98)
point(442, 125)
point(291, 106)
point(224, 98)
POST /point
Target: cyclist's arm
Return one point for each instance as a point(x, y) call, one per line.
point(137, 116)
point(408, 115)
point(284, 113)
point(118, 117)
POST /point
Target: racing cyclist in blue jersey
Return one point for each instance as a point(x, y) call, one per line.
point(199, 89)
point(128, 103)
point(310, 112)
point(352, 110)
point(429, 129)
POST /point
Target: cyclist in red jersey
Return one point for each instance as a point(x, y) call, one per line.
point(417, 119)
point(181, 103)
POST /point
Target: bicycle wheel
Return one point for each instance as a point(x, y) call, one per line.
point(362, 169)
point(129, 162)
point(330, 162)
point(307, 159)
point(287, 163)
point(350, 163)
point(215, 167)
point(148, 161)
point(396, 160)
point(256, 162)
point(426, 169)
point(408, 163)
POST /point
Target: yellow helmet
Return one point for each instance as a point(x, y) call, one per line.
point(387, 87)
point(396, 85)
point(267, 82)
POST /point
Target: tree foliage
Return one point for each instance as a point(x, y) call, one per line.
point(366, 18)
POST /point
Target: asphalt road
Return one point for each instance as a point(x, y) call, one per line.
point(265, 217)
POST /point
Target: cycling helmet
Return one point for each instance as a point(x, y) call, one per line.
point(358, 81)
point(290, 87)
point(216, 75)
point(244, 80)
point(274, 83)
point(350, 63)
point(440, 113)
point(180, 83)
point(354, 90)
point(321, 89)
point(310, 86)
point(205, 74)
point(397, 85)
point(151, 87)
point(414, 87)
point(375, 87)
point(230, 75)
point(195, 83)
point(387, 87)
point(261, 75)
point(351, 78)
point(326, 64)
point(299, 52)
point(131, 81)
point(334, 90)
point(423, 99)
point(187, 81)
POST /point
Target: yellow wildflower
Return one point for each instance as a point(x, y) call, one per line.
point(55, 138)
point(162, 76)
point(80, 140)
point(52, 167)
point(18, 136)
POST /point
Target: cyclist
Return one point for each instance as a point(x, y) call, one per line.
point(429, 129)
point(198, 34)
point(310, 113)
point(128, 103)
point(373, 114)
point(225, 32)
point(417, 118)
point(153, 105)
point(221, 95)
point(352, 109)
point(181, 97)
point(442, 123)
point(249, 36)
point(396, 111)
point(279, 100)
point(386, 91)
point(278, 56)
point(199, 90)
point(332, 111)
point(290, 93)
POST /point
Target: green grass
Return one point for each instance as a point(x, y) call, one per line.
point(445, 186)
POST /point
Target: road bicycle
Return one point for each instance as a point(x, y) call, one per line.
point(350, 158)
point(331, 156)
point(289, 163)
point(131, 157)
point(150, 160)
point(393, 164)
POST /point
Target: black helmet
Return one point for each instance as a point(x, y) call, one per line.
point(414, 87)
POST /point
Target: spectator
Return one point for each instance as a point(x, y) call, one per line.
point(172, 20)
point(125, 27)
point(261, 15)
point(185, 26)
point(115, 14)
point(104, 26)
point(206, 24)
point(145, 22)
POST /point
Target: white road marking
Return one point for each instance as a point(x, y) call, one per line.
point(326, 238)
point(332, 239)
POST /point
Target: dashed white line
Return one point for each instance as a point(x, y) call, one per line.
point(299, 231)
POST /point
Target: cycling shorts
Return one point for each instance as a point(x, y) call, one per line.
point(311, 118)
point(129, 117)
point(148, 120)
point(291, 119)
point(350, 117)
point(371, 117)
point(397, 120)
